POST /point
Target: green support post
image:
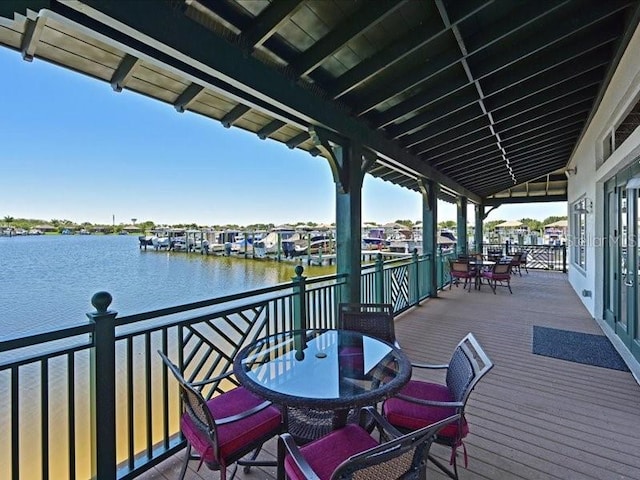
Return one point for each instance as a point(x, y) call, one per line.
point(416, 277)
point(478, 233)
point(308, 248)
point(461, 225)
point(348, 162)
point(279, 252)
point(103, 387)
point(299, 299)
point(429, 191)
point(379, 278)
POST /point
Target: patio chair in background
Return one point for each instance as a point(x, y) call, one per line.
point(523, 261)
point(516, 262)
point(422, 403)
point(499, 273)
point(461, 270)
point(352, 453)
point(226, 428)
point(374, 319)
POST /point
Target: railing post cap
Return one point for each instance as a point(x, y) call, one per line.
point(299, 269)
point(101, 301)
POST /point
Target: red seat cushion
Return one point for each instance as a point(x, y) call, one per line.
point(496, 276)
point(462, 274)
point(235, 435)
point(351, 359)
point(327, 453)
point(404, 414)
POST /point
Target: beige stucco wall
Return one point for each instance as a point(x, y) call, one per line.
point(622, 93)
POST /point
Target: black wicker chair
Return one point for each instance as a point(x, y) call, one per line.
point(422, 403)
point(374, 319)
point(352, 453)
point(226, 428)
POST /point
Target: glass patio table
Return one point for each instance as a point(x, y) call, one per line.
point(480, 265)
point(321, 377)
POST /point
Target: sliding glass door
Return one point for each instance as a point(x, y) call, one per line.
point(611, 288)
point(626, 260)
point(621, 292)
point(633, 256)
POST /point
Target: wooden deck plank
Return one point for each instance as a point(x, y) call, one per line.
point(532, 417)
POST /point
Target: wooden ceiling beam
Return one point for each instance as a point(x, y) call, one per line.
point(353, 26)
point(268, 22)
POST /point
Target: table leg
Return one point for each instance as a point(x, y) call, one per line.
point(340, 418)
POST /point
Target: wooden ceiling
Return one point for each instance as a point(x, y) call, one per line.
point(484, 97)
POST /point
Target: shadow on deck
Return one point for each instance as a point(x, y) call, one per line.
point(532, 417)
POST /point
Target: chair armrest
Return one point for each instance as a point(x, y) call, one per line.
point(383, 425)
point(240, 416)
point(429, 366)
point(211, 380)
point(428, 403)
point(286, 441)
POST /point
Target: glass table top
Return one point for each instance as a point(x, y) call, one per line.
point(323, 368)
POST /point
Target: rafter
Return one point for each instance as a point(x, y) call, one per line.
point(349, 28)
point(124, 72)
point(298, 139)
point(234, 115)
point(187, 96)
point(31, 38)
point(431, 30)
point(270, 129)
point(268, 22)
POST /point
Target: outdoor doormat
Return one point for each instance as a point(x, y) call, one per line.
point(577, 347)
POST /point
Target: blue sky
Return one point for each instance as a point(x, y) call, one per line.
point(74, 149)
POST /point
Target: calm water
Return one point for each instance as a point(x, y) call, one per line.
point(47, 281)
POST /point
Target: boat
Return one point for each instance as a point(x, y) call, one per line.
point(315, 243)
point(374, 238)
point(269, 243)
point(160, 242)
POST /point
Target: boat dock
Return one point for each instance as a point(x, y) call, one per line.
point(250, 247)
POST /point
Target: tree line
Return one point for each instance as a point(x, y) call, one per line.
point(533, 224)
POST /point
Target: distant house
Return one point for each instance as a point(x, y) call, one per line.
point(511, 231)
point(508, 227)
point(132, 229)
point(556, 233)
point(45, 228)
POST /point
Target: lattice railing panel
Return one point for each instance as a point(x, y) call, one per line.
point(399, 281)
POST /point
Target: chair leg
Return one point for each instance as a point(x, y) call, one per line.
point(494, 286)
point(509, 285)
point(281, 454)
point(187, 457)
point(254, 455)
point(440, 465)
